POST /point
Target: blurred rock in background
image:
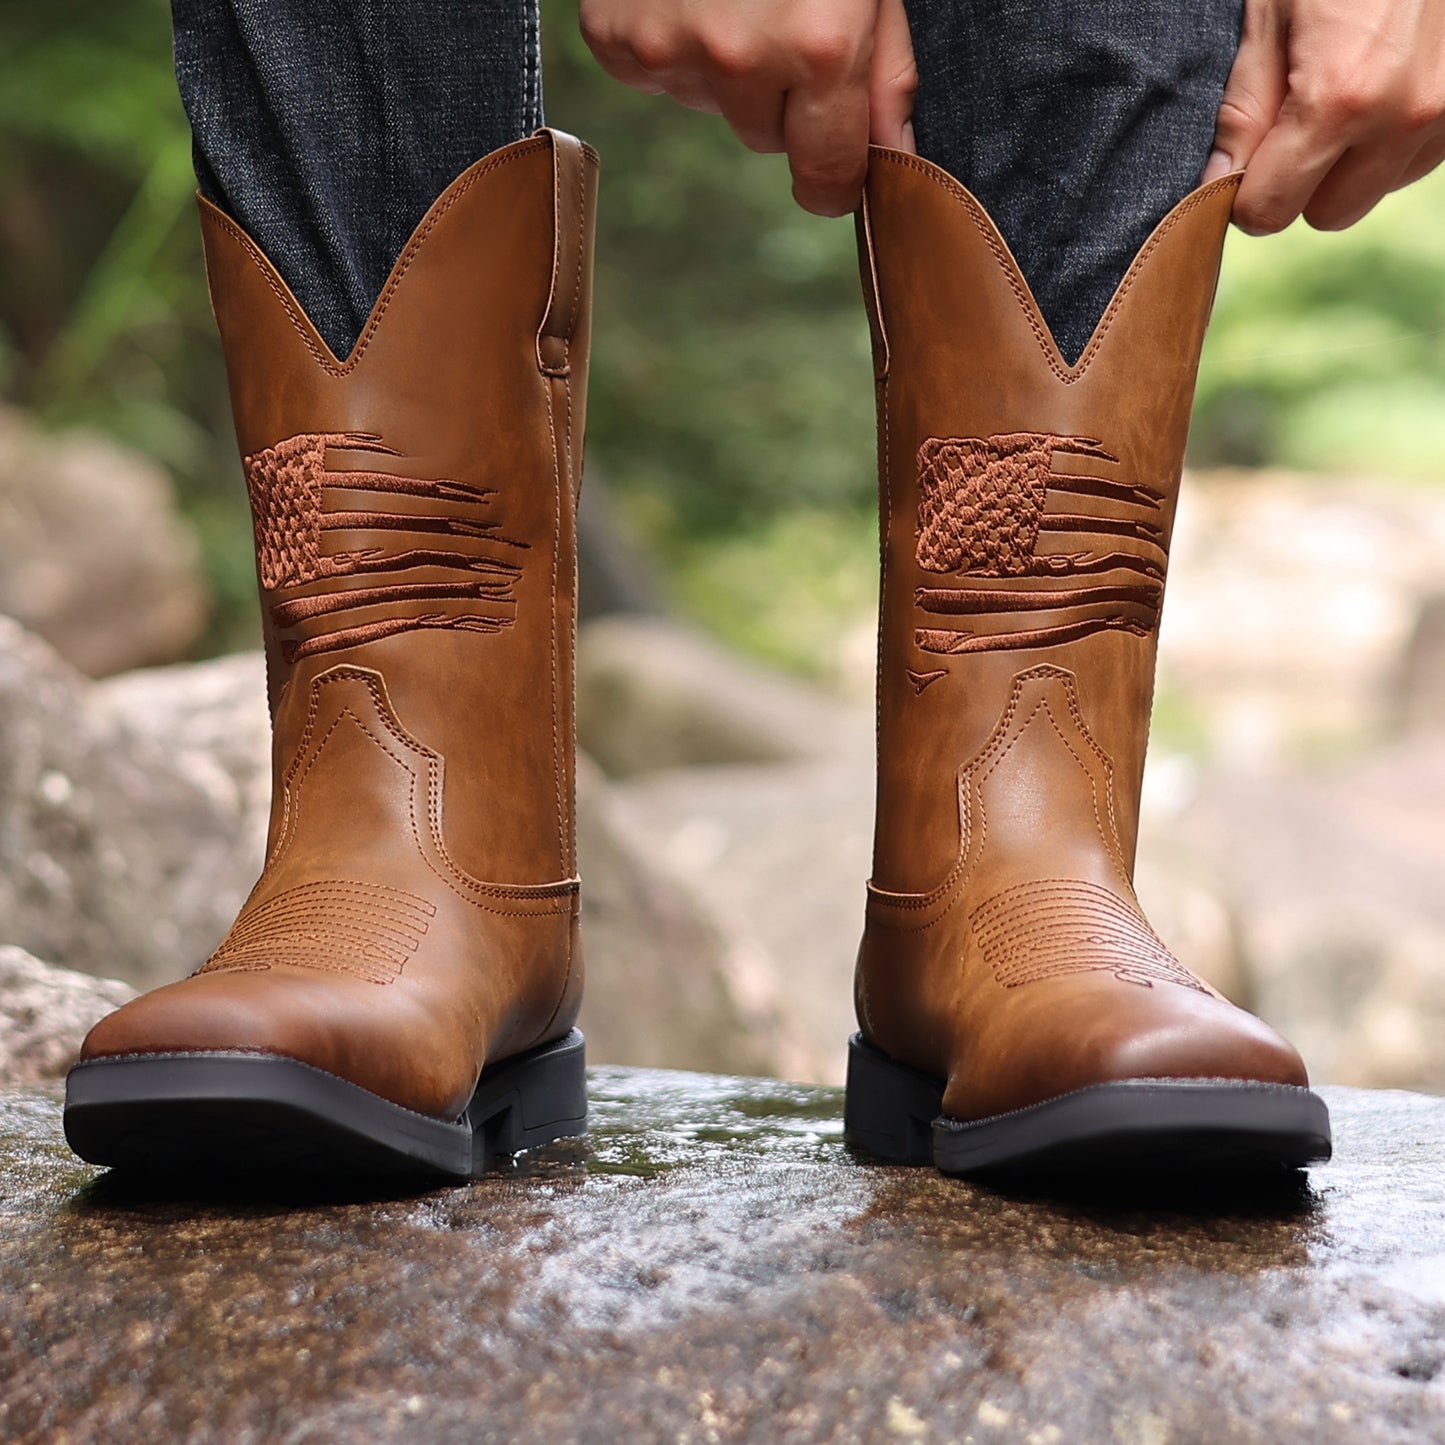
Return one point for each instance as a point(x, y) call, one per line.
point(129, 823)
point(93, 556)
point(1332, 880)
point(652, 694)
point(44, 1014)
point(1297, 622)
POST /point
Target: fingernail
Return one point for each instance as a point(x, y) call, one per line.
point(1219, 164)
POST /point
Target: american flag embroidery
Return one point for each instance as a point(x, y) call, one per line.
point(469, 569)
point(983, 515)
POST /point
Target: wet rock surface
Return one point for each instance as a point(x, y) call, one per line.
point(713, 1266)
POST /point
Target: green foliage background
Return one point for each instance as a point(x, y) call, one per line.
point(732, 406)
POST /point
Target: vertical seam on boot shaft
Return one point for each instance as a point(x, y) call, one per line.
point(552, 375)
point(1069, 375)
point(558, 464)
point(568, 496)
point(569, 822)
point(554, 280)
point(872, 298)
point(572, 309)
point(566, 817)
point(296, 314)
point(884, 540)
point(581, 245)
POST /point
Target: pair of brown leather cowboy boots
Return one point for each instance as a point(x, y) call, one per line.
point(400, 990)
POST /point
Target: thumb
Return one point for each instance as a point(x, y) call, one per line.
point(1255, 91)
point(892, 79)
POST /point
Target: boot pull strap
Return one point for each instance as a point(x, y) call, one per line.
point(569, 210)
point(872, 304)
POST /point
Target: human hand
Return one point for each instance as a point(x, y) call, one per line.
point(818, 79)
point(1331, 105)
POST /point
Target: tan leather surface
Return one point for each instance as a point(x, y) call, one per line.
point(415, 511)
point(1026, 510)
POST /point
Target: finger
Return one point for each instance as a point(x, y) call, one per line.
point(693, 91)
point(1286, 170)
point(755, 113)
point(1254, 93)
point(601, 31)
point(620, 64)
point(892, 79)
point(1354, 186)
point(687, 86)
point(1428, 159)
point(826, 135)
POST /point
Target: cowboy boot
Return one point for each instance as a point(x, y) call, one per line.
point(400, 988)
point(1016, 1008)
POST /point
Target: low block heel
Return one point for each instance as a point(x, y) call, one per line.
point(888, 1108)
point(525, 1102)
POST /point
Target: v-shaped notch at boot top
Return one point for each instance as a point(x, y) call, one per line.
point(892, 169)
point(221, 232)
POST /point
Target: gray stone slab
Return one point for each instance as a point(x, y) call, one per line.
point(716, 1268)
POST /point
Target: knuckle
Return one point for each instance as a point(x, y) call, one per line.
point(1342, 102)
point(827, 49)
point(903, 81)
point(1420, 112)
point(728, 53)
point(595, 27)
point(653, 48)
point(1240, 116)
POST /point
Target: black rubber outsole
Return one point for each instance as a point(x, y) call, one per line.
point(1142, 1126)
point(247, 1114)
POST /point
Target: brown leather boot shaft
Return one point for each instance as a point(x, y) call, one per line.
point(1026, 509)
point(461, 405)
point(415, 510)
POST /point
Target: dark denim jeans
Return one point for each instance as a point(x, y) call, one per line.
point(1077, 123)
point(327, 127)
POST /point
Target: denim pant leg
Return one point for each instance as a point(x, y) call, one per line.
point(1077, 123)
point(327, 127)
